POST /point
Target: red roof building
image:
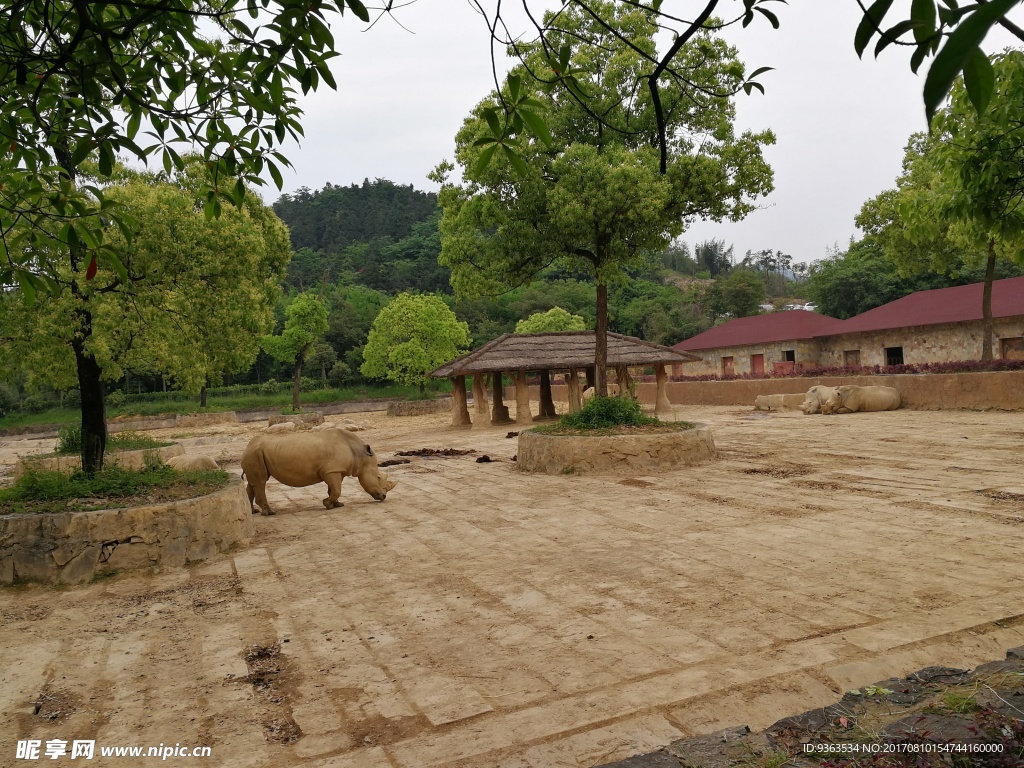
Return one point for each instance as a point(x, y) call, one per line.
point(940, 325)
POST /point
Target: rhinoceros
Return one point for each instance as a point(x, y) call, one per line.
point(299, 459)
point(850, 399)
point(815, 398)
point(191, 461)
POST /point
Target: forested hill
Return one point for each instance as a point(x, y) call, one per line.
point(332, 218)
point(381, 234)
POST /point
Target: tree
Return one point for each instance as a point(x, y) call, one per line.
point(598, 198)
point(413, 335)
point(739, 294)
point(555, 319)
point(961, 196)
point(191, 302)
point(712, 256)
point(323, 357)
point(306, 322)
point(929, 23)
point(86, 80)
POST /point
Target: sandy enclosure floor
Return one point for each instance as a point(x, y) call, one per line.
point(484, 617)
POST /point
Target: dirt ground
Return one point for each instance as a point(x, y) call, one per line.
point(485, 617)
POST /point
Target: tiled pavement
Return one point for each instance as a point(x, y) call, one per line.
point(482, 617)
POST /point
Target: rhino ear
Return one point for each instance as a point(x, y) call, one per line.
point(369, 451)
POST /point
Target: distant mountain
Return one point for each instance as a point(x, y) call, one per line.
point(333, 218)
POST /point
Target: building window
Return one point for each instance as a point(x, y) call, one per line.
point(851, 357)
point(789, 355)
point(727, 367)
point(1012, 349)
point(894, 355)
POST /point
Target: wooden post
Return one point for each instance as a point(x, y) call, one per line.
point(523, 415)
point(662, 405)
point(460, 410)
point(572, 379)
point(547, 403)
point(622, 379)
point(480, 394)
point(499, 411)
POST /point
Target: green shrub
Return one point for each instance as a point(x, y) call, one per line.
point(269, 387)
point(116, 399)
point(34, 404)
point(73, 399)
point(307, 384)
point(605, 412)
point(69, 439)
point(339, 374)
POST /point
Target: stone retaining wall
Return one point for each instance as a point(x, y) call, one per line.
point(73, 547)
point(133, 460)
point(1001, 390)
point(419, 407)
point(618, 454)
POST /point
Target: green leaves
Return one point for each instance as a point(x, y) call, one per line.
point(931, 21)
point(960, 54)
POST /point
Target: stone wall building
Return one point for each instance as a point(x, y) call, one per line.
point(942, 325)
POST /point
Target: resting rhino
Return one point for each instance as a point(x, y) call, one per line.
point(299, 459)
point(191, 461)
point(815, 398)
point(777, 402)
point(850, 399)
point(589, 392)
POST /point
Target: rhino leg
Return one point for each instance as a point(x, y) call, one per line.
point(259, 492)
point(333, 481)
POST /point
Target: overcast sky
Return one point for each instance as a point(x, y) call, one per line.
point(841, 123)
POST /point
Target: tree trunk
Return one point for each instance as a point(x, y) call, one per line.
point(94, 415)
point(295, 384)
point(987, 325)
point(601, 343)
point(202, 397)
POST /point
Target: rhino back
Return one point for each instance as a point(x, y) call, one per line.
point(305, 458)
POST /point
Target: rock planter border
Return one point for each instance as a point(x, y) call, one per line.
point(133, 460)
point(73, 547)
point(300, 420)
point(637, 453)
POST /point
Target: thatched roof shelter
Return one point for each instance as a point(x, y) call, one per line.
point(558, 351)
point(565, 351)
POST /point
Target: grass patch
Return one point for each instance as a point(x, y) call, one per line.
point(69, 442)
point(51, 492)
point(610, 416)
point(161, 404)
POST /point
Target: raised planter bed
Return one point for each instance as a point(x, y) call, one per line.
point(635, 453)
point(133, 460)
point(419, 407)
point(73, 547)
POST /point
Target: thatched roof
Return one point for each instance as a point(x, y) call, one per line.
point(557, 352)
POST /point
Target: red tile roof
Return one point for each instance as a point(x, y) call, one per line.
point(761, 329)
point(941, 305)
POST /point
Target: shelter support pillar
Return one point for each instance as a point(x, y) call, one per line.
point(547, 403)
point(499, 411)
point(622, 378)
point(572, 380)
point(662, 406)
point(480, 394)
point(460, 411)
point(523, 415)
point(591, 377)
